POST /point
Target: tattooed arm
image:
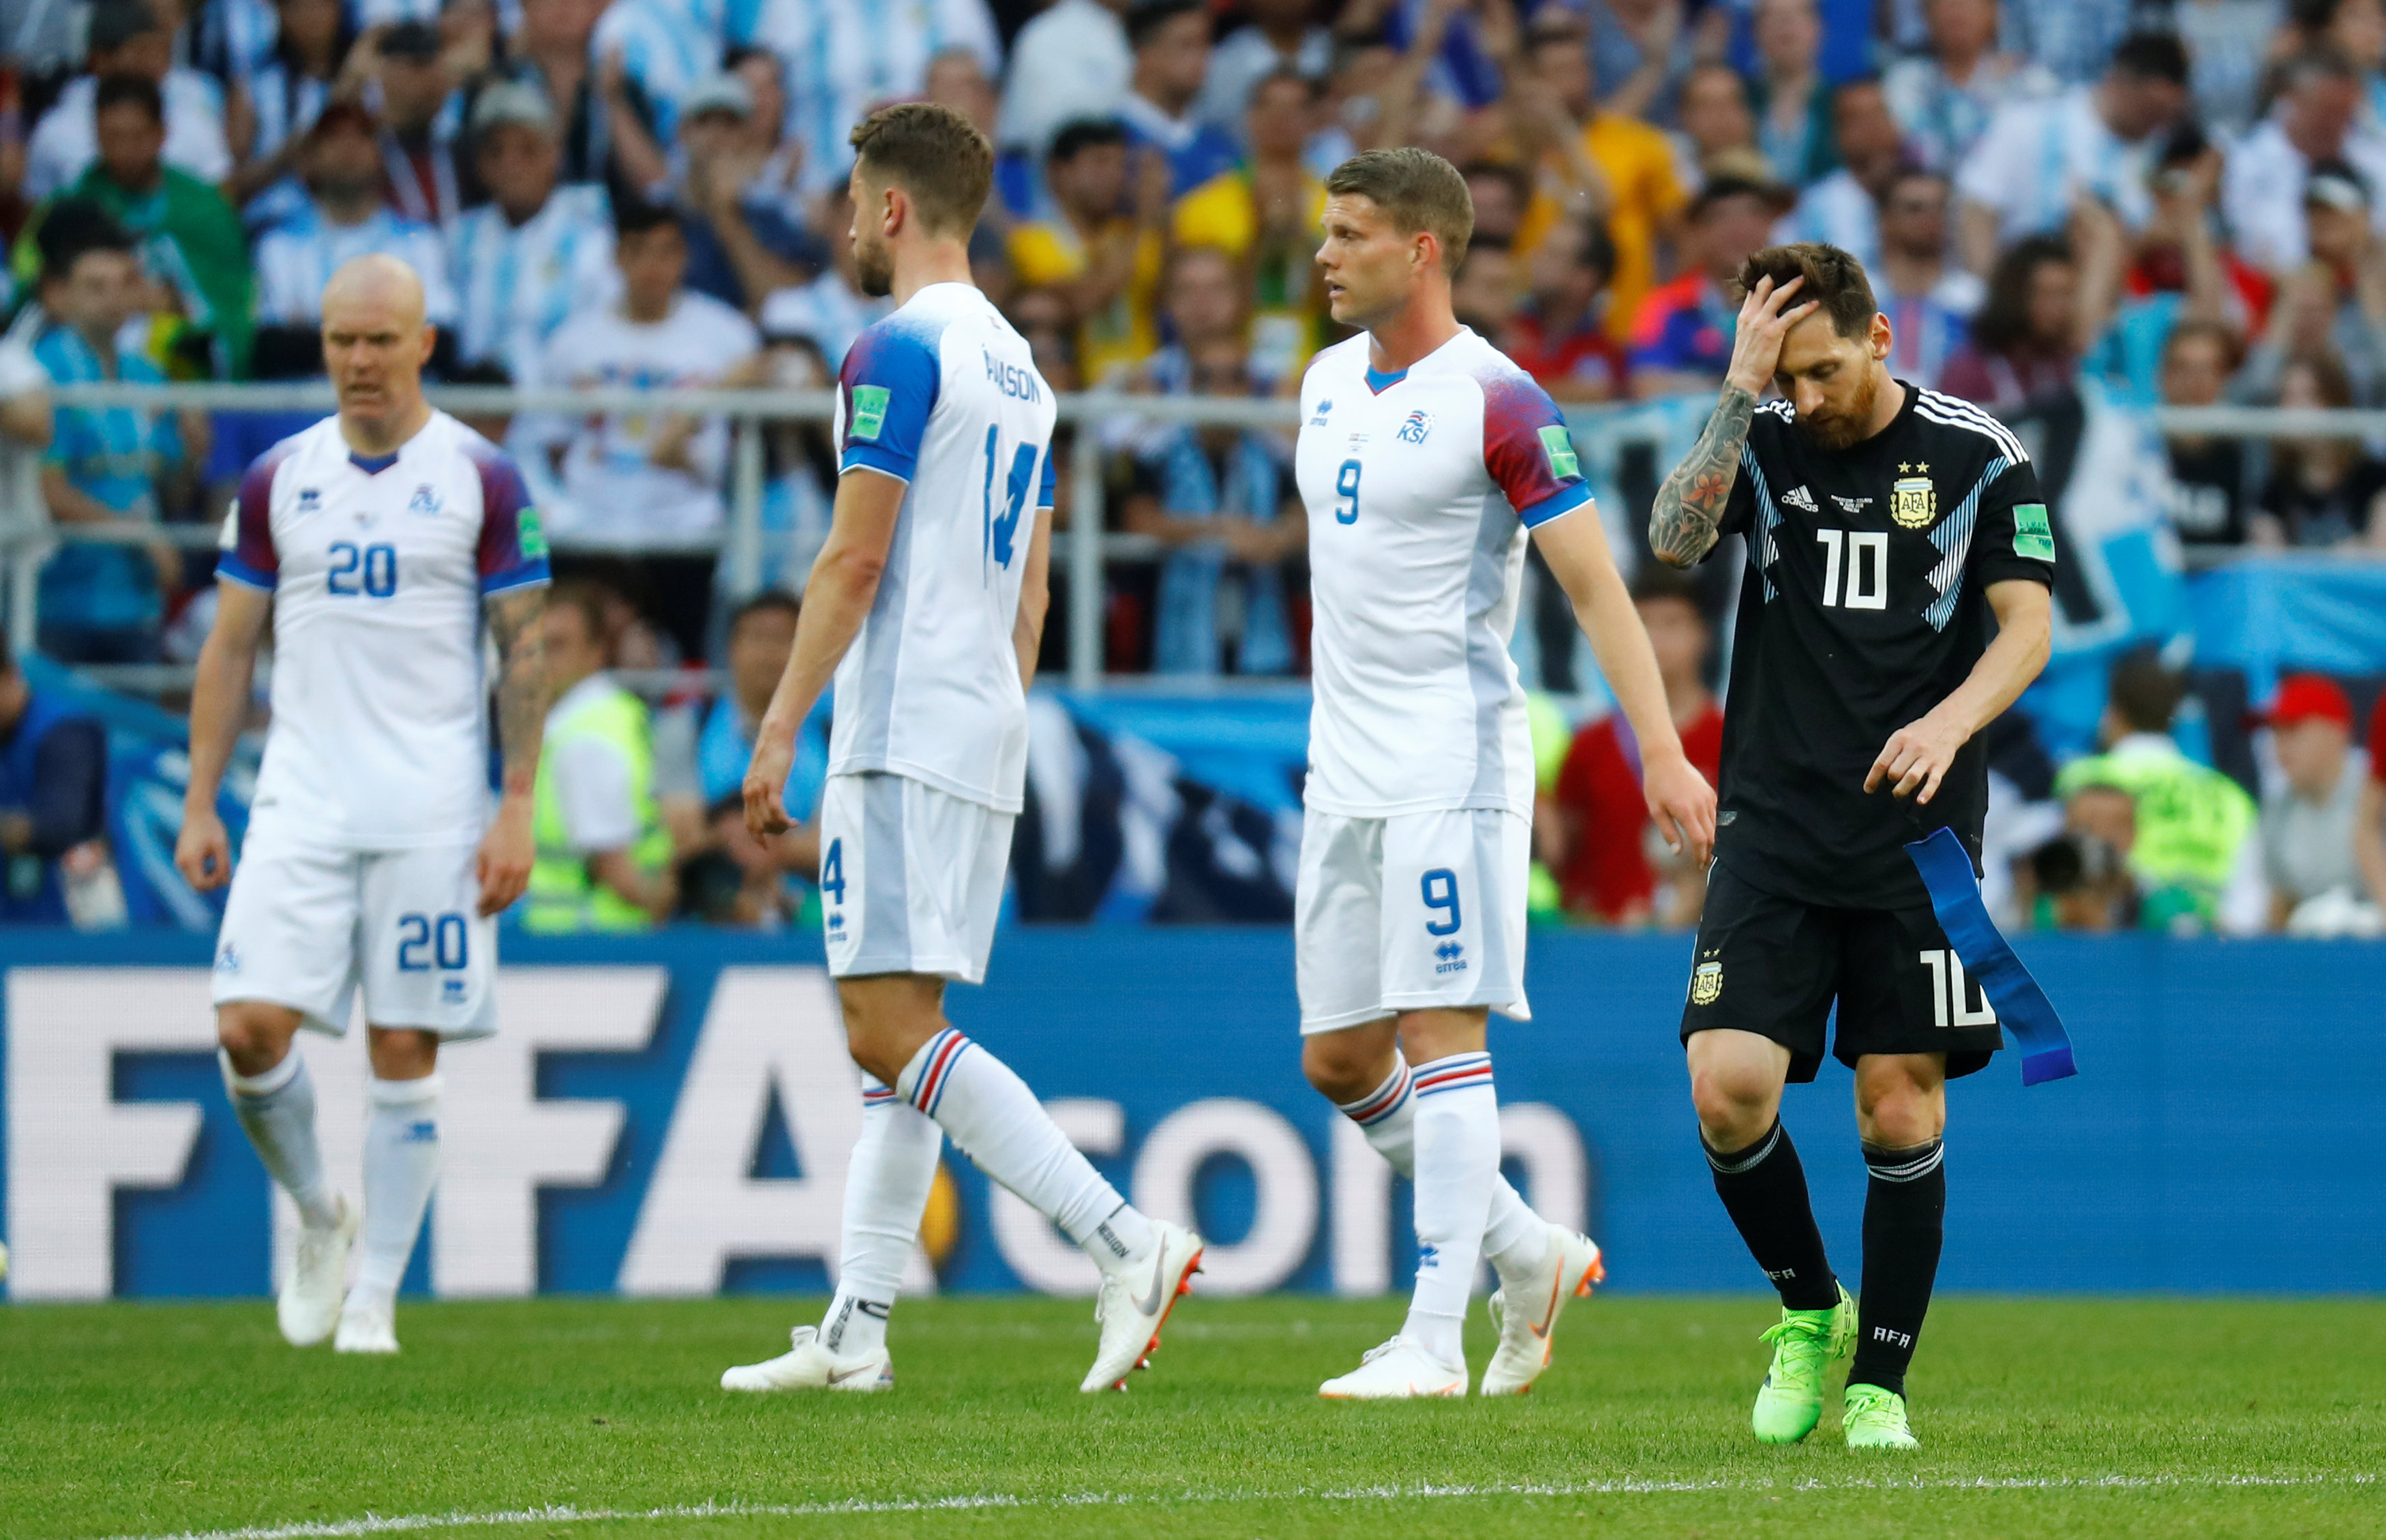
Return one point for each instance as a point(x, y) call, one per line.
point(517, 622)
point(1690, 507)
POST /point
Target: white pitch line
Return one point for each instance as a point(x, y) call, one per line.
point(371, 1524)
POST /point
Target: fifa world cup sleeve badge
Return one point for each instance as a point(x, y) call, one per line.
point(869, 403)
point(2033, 536)
point(532, 538)
point(1559, 448)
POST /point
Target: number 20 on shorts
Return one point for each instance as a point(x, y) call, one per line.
point(423, 942)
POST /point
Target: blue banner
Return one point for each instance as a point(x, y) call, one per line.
point(670, 1115)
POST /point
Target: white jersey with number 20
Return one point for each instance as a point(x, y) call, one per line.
point(378, 568)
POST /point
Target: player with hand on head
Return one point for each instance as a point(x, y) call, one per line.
point(927, 606)
point(1427, 459)
point(1886, 525)
point(378, 542)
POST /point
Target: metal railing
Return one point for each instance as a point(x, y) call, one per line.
point(1082, 549)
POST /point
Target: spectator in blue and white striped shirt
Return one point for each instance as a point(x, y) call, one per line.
point(846, 58)
point(306, 51)
point(346, 218)
point(535, 251)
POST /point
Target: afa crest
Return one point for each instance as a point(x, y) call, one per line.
point(1706, 983)
point(1912, 502)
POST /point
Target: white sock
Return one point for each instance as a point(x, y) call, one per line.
point(1457, 1160)
point(886, 1192)
point(401, 1167)
point(1515, 1239)
point(277, 1110)
point(1004, 1130)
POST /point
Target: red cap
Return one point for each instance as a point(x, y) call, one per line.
point(2302, 697)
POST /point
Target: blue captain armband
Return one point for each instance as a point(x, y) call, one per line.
point(1955, 899)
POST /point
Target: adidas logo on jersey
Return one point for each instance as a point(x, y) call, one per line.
point(1799, 497)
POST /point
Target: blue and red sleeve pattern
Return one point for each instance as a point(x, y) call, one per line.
point(1528, 450)
point(890, 380)
point(513, 547)
point(245, 552)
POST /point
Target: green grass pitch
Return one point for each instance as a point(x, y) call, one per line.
point(589, 1419)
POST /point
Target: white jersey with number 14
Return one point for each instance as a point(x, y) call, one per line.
point(943, 396)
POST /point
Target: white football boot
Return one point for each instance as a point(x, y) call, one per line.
point(1398, 1371)
point(368, 1324)
point(1529, 1321)
point(809, 1365)
point(308, 1306)
point(1134, 1304)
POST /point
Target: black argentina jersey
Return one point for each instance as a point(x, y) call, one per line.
point(1864, 606)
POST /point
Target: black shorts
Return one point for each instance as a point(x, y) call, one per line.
point(1774, 965)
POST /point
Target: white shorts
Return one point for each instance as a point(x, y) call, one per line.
point(1414, 912)
point(910, 877)
point(306, 924)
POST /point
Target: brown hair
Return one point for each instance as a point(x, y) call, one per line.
point(2219, 333)
point(1417, 190)
point(933, 154)
point(1655, 583)
point(2145, 693)
point(590, 599)
point(1833, 278)
point(2294, 459)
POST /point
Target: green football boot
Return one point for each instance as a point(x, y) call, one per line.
point(1876, 1419)
point(1805, 1345)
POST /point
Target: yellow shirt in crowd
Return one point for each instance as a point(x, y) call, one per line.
point(1288, 318)
point(1123, 333)
point(1644, 196)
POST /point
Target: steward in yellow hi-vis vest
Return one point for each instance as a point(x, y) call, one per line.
point(604, 857)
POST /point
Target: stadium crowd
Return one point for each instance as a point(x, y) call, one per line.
point(2185, 203)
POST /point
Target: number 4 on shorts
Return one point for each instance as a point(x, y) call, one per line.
point(831, 877)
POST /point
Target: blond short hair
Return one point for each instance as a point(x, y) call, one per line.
point(1417, 189)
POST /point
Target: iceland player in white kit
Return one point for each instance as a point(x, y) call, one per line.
point(1425, 459)
point(927, 602)
point(377, 542)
